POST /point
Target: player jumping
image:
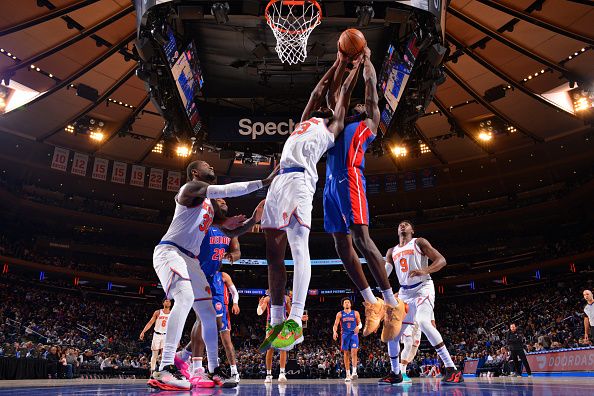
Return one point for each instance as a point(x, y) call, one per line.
point(287, 212)
point(350, 323)
point(346, 213)
point(410, 259)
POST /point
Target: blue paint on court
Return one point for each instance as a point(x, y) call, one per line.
point(524, 387)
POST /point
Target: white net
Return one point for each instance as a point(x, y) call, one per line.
point(292, 22)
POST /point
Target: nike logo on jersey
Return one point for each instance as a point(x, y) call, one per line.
point(340, 181)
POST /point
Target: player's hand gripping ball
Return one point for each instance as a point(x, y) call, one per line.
point(351, 42)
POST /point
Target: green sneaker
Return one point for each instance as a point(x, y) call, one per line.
point(271, 333)
point(406, 379)
point(290, 335)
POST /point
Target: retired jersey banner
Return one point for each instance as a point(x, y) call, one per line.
point(60, 159)
point(173, 181)
point(156, 179)
point(118, 173)
point(100, 169)
point(137, 176)
point(410, 181)
point(373, 184)
point(391, 183)
point(79, 164)
point(427, 178)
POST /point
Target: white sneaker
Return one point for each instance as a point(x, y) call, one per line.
point(282, 377)
point(169, 379)
point(235, 377)
point(348, 378)
point(268, 379)
point(354, 376)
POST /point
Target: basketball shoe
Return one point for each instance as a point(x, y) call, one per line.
point(406, 379)
point(182, 366)
point(290, 335)
point(374, 313)
point(221, 379)
point(452, 375)
point(391, 379)
point(393, 320)
point(282, 377)
point(169, 379)
point(268, 379)
point(271, 333)
point(200, 379)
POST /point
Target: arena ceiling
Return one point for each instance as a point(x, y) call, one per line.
point(54, 46)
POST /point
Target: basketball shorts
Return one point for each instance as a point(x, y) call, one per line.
point(345, 202)
point(158, 342)
point(289, 196)
point(421, 296)
point(222, 311)
point(172, 266)
point(349, 341)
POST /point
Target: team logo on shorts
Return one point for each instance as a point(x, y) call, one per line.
point(285, 216)
point(354, 345)
point(218, 306)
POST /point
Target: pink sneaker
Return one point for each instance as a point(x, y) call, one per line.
point(182, 366)
point(201, 380)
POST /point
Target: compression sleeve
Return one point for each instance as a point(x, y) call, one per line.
point(233, 189)
point(234, 294)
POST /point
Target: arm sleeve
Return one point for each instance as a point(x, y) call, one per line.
point(389, 268)
point(235, 294)
point(259, 310)
point(233, 189)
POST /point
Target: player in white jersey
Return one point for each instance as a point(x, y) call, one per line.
point(287, 212)
point(410, 259)
point(411, 339)
point(176, 264)
point(159, 319)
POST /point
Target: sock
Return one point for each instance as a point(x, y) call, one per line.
point(368, 296)
point(403, 368)
point(393, 351)
point(282, 370)
point(298, 237)
point(277, 314)
point(445, 357)
point(389, 297)
point(269, 372)
point(184, 354)
point(196, 363)
point(354, 370)
point(234, 369)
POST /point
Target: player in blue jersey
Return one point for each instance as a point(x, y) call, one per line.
point(350, 323)
point(217, 246)
point(346, 213)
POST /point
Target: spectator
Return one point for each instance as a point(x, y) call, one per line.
point(515, 343)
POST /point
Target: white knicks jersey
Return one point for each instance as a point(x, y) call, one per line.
point(407, 258)
point(189, 225)
point(305, 146)
point(161, 322)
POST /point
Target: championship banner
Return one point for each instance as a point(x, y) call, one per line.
point(60, 159)
point(373, 184)
point(410, 181)
point(156, 179)
point(137, 176)
point(173, 181)
point(391, 183)
point(427, 178)
point(100, 169)
point(118, 173)
point(79, 164)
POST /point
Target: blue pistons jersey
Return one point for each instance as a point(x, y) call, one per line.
point(348, 322)
point(212, 251)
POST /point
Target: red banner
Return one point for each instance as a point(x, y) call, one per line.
point(100, 169)
point(156, 179)
point(173, 181)
point(137, 176)
point(569, 360)
point(118, 173)
point(60, 159)
point(79, 164)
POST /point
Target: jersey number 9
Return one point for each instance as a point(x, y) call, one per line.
point(403, 265)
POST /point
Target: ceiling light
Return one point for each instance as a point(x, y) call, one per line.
point(399, 151)
point(424, 148)
point(182, 151)
point(485, 136)
point(158, 148)
point(97, 136)
point(69, 128)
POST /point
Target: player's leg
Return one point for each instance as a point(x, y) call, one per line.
point(154, 351)
point(269, 355)
point(354, 362)
point(283, 366)
point(276, 245)
point(225, 333)
point(292, 332)
point(198, 347)
point(345, 345)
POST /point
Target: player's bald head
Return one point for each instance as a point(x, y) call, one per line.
point(588, 295)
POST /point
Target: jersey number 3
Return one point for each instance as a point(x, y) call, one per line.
point(403, 265)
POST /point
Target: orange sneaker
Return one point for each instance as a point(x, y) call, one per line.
point(393, 320)
point(374, 313)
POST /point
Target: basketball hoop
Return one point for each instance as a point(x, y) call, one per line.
point(292, 22)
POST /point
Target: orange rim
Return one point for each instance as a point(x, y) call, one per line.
point(293, 2)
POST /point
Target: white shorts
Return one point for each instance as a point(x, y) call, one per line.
point(422, 294)
point(173, 266)
point(158, 342)
point(289, 196)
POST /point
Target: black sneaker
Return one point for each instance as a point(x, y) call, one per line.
point(391, 379)
point(452, 376)
point(221, 379)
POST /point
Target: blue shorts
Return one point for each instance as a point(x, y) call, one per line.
point(345, 202)
point(222, 311)
point(349, 341)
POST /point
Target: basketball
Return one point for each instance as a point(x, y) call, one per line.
point(351, 42)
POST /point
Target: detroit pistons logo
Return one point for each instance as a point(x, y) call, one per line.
point(218, 306)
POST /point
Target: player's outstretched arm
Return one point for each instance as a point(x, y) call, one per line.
point(437, 259)
point(262, 305)
point(319, 92)
point(149, 324)
point(359, 324)
point(334, 90)
point(246, 226)
point(335, 327)
point(234, 252)
point(371, 97)
point(337, 125)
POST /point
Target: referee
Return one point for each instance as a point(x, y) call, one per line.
point(589, 317)
point(515, 343)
